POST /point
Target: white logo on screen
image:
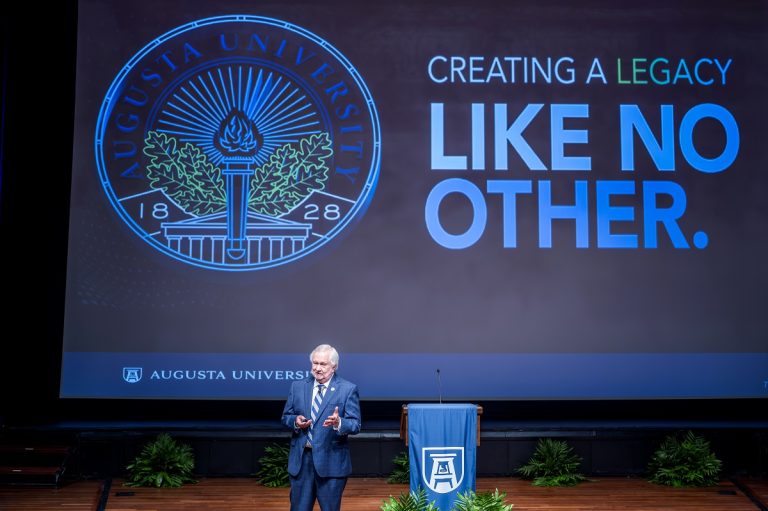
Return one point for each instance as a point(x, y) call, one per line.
point(132, 374)
point(442, 468)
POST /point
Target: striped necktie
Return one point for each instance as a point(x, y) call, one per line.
point(315, 409)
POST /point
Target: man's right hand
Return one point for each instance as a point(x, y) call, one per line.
point(302, 422)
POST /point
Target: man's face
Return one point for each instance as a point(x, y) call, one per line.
point(322, 368)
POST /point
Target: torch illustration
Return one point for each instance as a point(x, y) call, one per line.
point(238, 141)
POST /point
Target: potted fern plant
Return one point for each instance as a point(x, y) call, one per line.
point(553, 464)
point(483, 501)
point(401, 474)
point(412, 501)
point(274, 466)
point(163, 463)
point(686, 461)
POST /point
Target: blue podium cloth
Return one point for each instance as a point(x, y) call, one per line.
point(442, 450)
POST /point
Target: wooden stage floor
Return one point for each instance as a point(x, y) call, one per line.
point(367, 494)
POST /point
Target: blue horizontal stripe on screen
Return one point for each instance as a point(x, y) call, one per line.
point(414, 376)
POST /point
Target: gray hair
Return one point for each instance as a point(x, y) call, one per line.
point(334, 355)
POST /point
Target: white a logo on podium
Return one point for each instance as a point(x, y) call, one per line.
point(442, 468)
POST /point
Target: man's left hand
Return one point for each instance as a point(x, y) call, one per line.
point(333, 420)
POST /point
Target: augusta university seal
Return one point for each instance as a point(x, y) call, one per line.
point(238, 143)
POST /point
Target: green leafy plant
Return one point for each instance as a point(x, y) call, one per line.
point(274, 466)
point(483, 501)
point(162, 463)
point(413, 501)
point(401, 474)
point(684, 462)
point(553, 464)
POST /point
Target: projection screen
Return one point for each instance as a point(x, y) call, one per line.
point(524, 200)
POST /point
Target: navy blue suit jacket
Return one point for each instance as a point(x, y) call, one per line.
point(330, 451)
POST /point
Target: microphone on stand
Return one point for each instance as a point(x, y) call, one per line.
point(439, 387)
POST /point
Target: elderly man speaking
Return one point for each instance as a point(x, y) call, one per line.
point(322, 410)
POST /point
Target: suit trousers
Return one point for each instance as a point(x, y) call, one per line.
point(308, 486)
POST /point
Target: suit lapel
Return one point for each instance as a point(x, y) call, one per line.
point(308, 398)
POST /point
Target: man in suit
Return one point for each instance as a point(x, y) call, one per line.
point(322, 410)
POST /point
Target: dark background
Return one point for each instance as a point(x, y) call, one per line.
point(38, 109)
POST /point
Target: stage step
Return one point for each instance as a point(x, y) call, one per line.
point(34, 461)
point(34, 471)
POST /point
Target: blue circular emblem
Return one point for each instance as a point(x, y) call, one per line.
point(238, 143)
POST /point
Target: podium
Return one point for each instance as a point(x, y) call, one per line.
point(442, 442)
